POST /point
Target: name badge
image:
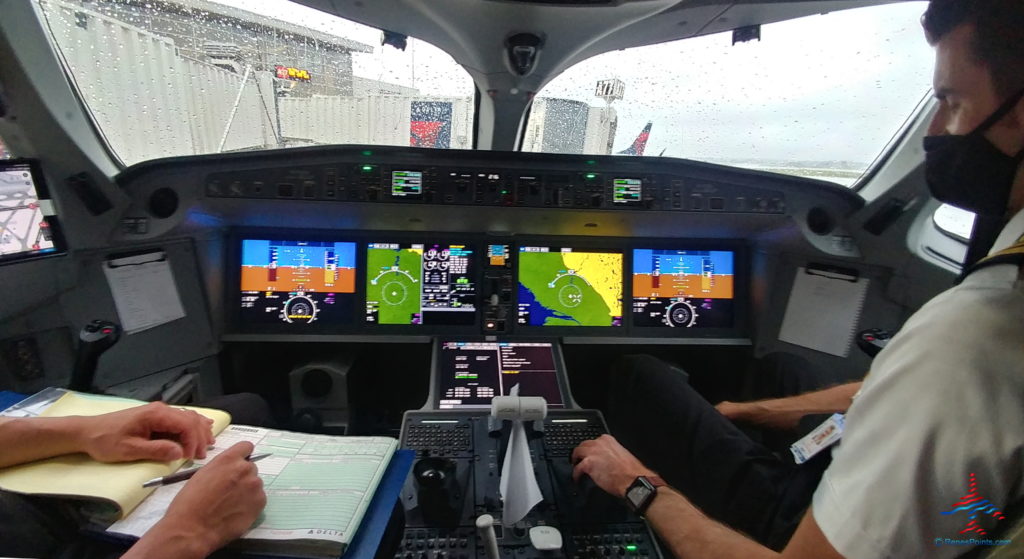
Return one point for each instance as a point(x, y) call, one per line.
point(822, 437)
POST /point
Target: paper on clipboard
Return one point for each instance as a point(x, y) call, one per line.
point(144, 291)
point(823, 310)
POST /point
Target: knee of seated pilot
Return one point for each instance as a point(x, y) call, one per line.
point(246, 408)
point(630, 371)
point(641, 378)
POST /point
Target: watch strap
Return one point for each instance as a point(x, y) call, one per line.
point(656, 481)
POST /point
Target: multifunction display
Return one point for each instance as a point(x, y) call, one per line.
point(627, 191)
point(297, 282)
point(420, 283)
point(566, 287)
point(472, 373)
point(406, 183)
point(24, 230)
point(683, 288)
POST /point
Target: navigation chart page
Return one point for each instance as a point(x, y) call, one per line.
point(564, 287)
point(676, 288)
point(420, 283)
point(23, 230)
point(298, 282)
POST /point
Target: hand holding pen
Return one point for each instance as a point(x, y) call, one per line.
point(218, 505)
point(185, 475)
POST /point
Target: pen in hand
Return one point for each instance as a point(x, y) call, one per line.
point(187, 474)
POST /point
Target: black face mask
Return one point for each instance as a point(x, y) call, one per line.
point(968, 172)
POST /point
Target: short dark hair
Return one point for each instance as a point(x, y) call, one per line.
point(998, 41)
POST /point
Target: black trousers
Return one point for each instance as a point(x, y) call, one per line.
point(673, 430)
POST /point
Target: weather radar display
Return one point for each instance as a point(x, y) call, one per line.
point(420, 283)
point(683, 288)
point(563, 287)
point(297, 282)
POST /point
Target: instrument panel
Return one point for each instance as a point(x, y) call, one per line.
point(348, 282)
point(420, 242)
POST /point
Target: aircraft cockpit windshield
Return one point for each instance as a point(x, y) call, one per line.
point(820, 96)
point(190, 77)
point(823, 96)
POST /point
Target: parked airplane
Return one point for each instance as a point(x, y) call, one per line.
point(640, 143)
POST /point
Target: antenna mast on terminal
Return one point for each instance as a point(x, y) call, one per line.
point(610, 90)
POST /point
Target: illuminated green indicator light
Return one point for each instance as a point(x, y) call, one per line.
point(591, 176)
point(591, 162)
point(630, 548)
point(367, 168)
point(367, 152)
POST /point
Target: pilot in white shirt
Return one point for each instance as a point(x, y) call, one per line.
point(932, 457)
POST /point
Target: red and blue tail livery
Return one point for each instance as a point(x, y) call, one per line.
point(640, 143)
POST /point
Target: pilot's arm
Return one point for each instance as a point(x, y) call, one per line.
point(216, 506)
point(785, 413)
point(114, 437)
point(682, 526)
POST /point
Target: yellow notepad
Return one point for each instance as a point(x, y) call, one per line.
point(318, 486)
point(79, 476)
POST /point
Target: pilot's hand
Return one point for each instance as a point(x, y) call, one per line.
point(733, 411)
point(154, 431)
point(219, 504)
point(608, 463)
point(761, 414)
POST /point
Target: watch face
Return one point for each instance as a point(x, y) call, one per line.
point(637, 495)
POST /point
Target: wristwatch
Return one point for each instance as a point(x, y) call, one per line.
point(642, 491)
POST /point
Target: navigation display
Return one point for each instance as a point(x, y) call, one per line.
point(680, 288)
point(565, 287)
point(24, 229)
point(415, 283)
point(297, 282)
point(472, 373)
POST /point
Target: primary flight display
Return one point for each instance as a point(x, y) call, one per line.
point(564, 287)
point(297, 282)
point(680, 288)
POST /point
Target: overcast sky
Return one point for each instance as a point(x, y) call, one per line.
point(827, 87)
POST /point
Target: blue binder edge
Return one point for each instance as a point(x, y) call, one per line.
point(8, 398)
point(367, 539)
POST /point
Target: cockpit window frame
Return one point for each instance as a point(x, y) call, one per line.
point(905, 130)
point(120, 163)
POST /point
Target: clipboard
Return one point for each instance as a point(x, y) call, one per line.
point(824, 308)
point(143, 287)
point(832, 272)
point(134, 258)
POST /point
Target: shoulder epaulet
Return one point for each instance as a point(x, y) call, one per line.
point(1011, 255)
